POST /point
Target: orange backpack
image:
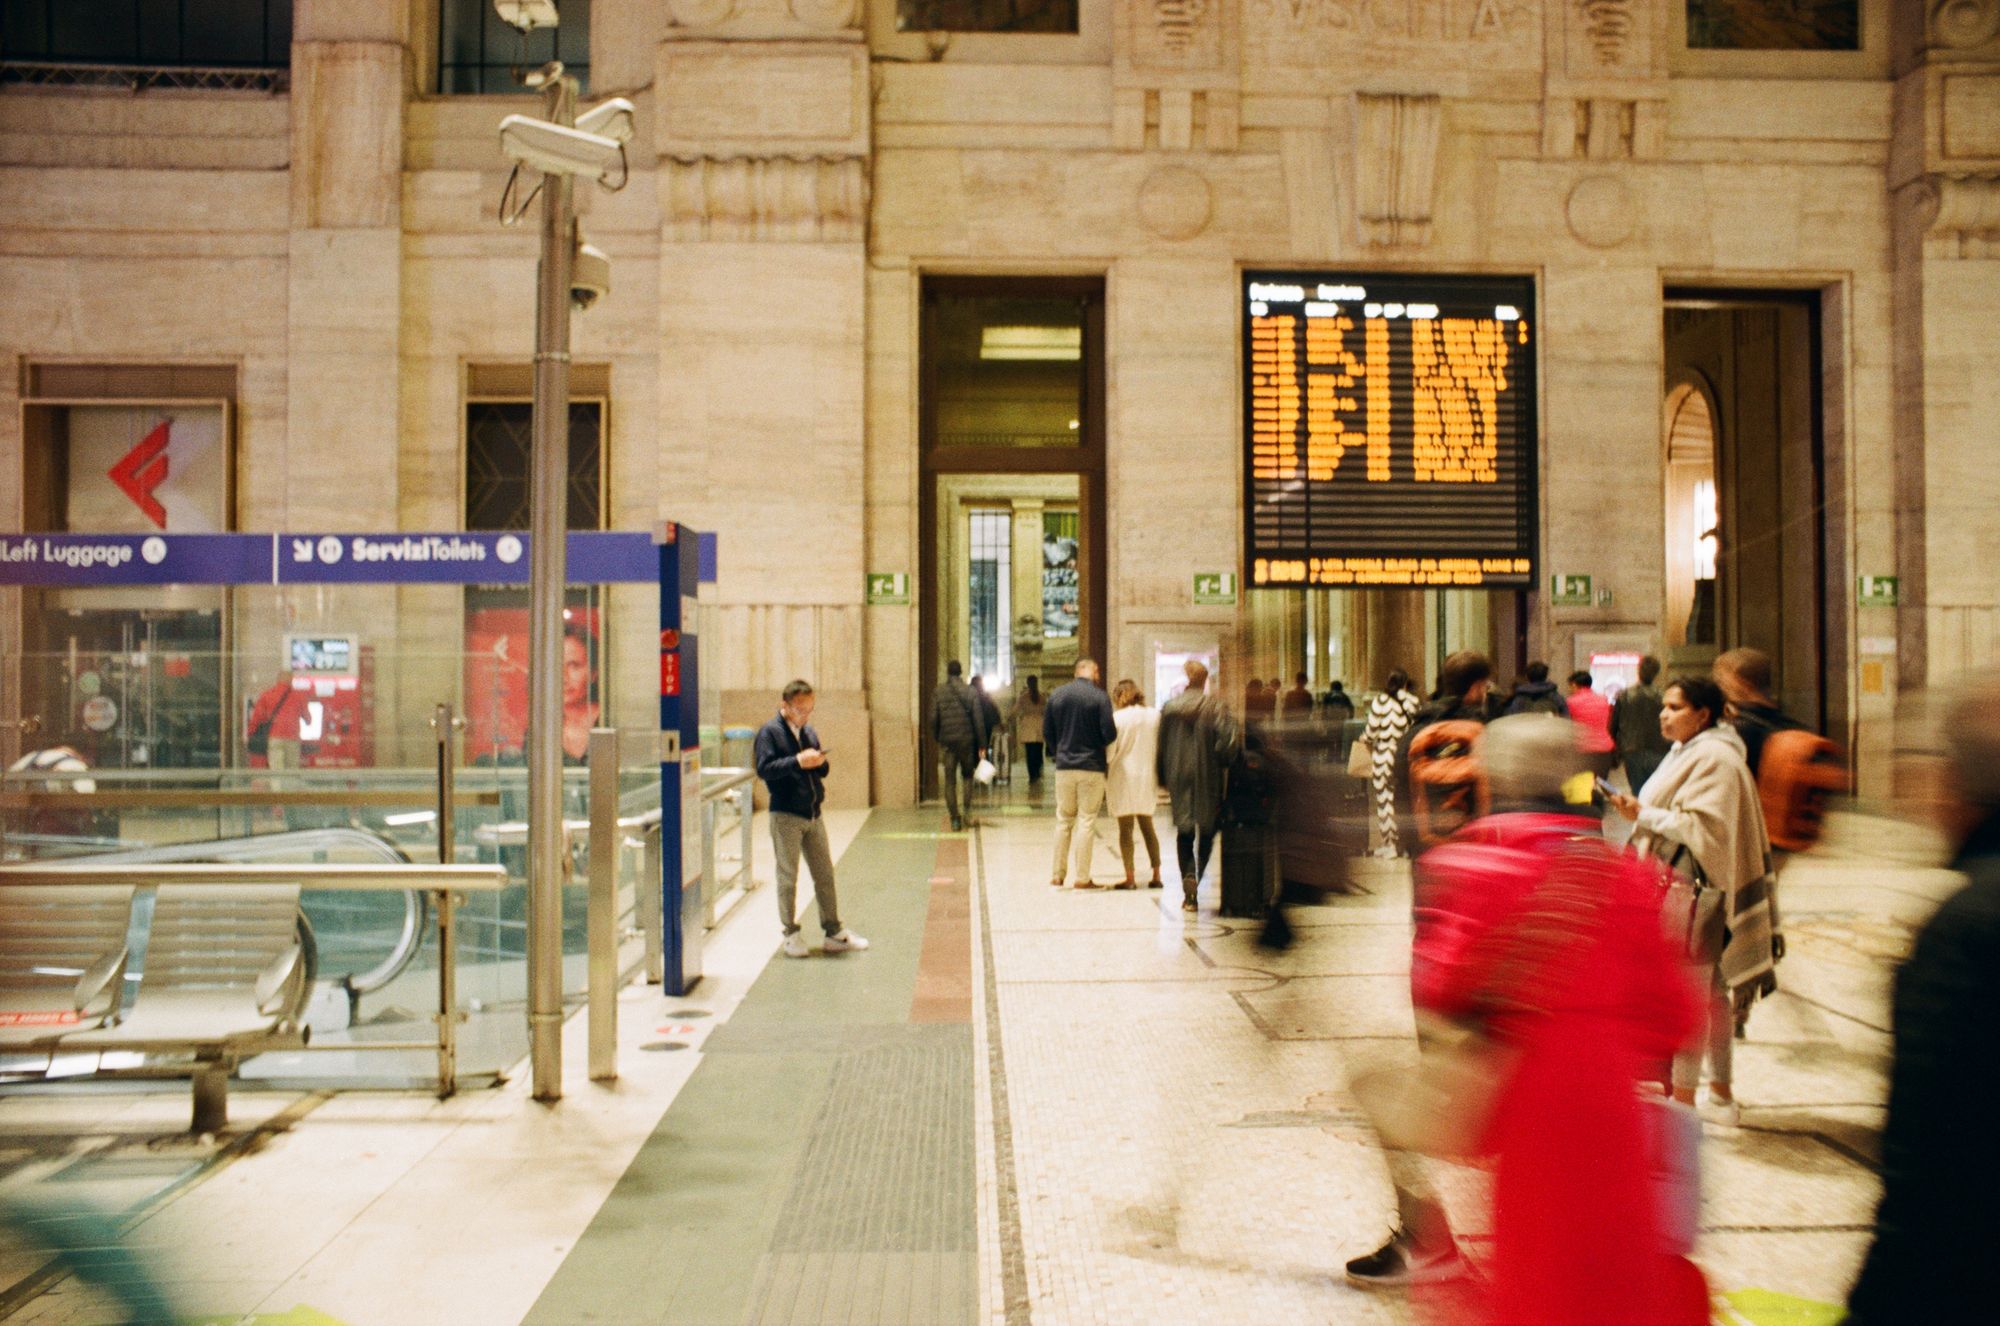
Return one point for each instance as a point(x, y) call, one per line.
point(1447, 783)
point(1796, 773)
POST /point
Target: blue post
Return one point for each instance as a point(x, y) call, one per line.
point(681, 884)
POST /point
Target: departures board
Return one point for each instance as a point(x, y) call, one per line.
point(1389, 430)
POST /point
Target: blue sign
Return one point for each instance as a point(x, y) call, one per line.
point(313, 559)
point(135, 559)
point(456, 559)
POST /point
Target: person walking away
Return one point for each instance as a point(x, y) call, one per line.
point(958, 725)
point(1389, 715)
point(1635, 726)
point(1297, 703)
point(1133, 789)
point(1463, 684)
point(1537, 695)
point(1336, 710)
point(989, 724)
point(1932, 1256)
point(1745, 678)
point(793, 766)
point(1079, 728)
point(1196, 746)
point(1591, 713)
point(1028, 725)
point(1255, 701)
point(1544, 944)
point(1699, 815)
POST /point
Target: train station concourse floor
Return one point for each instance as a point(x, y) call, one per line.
point(1020, 1106)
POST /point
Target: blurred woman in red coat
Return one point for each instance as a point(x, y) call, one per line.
point(1533, 932)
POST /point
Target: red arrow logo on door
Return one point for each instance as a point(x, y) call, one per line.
point(144, 468)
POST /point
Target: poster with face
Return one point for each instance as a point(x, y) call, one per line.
point(496, 681)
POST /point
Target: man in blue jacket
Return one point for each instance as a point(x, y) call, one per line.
point(1078, 730)
point(793, 767)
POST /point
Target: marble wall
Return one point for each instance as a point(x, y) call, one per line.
point(799, 167)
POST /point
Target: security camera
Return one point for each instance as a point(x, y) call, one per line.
point(612, 118)
point(527, 15)
point(589, 276)
point(555, 149)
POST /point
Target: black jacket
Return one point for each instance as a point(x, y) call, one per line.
point(958, 721)
point(1077, 727)
point(1537, 697)
point(1933, 1257)
point(794, 791)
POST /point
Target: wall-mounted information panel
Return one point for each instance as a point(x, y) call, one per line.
point(1388, 430)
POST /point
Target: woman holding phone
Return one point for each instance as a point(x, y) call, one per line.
point(1699, 814)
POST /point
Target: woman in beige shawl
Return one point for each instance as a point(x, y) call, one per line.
point(1699, 813)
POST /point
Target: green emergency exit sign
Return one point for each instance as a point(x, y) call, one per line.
point(888, 588)
point(1570, 591)
point(1217, 588)
point(1878, 591)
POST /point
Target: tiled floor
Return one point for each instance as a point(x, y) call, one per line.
point(1144, 1119)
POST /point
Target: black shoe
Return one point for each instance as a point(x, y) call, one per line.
point(1155, 884)
point(1398, 1263)
point(957, 824)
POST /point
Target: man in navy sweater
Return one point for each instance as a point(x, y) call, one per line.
point(1078, 730)
point(793, 767)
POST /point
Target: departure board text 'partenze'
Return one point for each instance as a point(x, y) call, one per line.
point(1389, 429)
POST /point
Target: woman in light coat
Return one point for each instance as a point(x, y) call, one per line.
point(1133, 791)
point(1029, 707)
point(1699, 813)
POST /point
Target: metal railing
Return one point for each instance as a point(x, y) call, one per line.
point(733, 789)
point(444, 883)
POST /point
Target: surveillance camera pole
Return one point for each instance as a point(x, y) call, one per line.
point(548, 843)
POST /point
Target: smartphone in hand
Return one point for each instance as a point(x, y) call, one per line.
point(1604, 786)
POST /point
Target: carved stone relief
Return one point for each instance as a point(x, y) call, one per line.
point(1600, 211)
point(1403, 34)
point(1963, 24)
point(767, 199)
point(1395, 166)
point(1962, 212)
point(700, 13)
point(1175, 203)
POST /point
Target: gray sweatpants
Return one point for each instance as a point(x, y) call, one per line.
point(791, 834)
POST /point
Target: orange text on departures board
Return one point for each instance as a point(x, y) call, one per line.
point(1274, 398)
point(1459, 367)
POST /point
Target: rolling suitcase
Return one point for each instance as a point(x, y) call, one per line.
point(1249, 870)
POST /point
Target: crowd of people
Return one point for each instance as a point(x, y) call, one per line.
point(1584, 950)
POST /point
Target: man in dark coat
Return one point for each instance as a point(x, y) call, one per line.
point(1078, 730)
point(958, 725)
point(1635, 726)
point(1932, 1260)
point(1197, 743)
point(1537, 695)
point(793, 766)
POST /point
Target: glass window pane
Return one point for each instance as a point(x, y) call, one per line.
point(990, 595)
point(1046, 16)
point(93, 32)
point(499, 437)
point(1009, 372)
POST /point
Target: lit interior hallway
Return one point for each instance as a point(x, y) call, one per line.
point(1022, 1105)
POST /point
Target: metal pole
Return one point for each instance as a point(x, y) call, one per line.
point(601, 920)
point(547, 842)
point(448, 1015)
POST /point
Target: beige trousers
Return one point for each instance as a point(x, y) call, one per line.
point(1079, 798)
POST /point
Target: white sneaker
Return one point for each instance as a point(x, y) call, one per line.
point(795, 946)
point(845, 942)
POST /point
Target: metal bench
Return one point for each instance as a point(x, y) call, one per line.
point(223, 977)
point(62, 961)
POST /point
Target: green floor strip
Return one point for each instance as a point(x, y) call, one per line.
point(820, 1160)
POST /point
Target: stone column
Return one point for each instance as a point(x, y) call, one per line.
point(1945, 176)
point(762, 130)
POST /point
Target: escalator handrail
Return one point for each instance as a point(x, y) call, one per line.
point(267, 847)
